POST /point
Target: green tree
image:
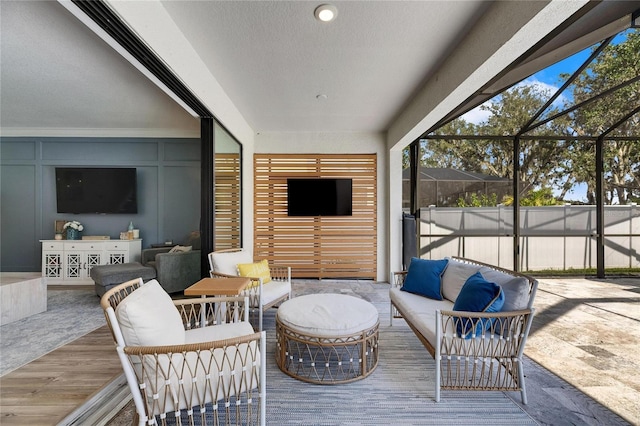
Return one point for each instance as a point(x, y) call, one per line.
point(405, 158)
point(481, 200)
point(536, 198)
point(454, 154)
point(541, 161)
point(616, 64)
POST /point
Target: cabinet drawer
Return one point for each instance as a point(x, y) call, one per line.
point(52, 245)
point(69, 245)
point(116, 245)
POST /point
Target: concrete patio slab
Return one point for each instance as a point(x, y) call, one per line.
point(587, 331)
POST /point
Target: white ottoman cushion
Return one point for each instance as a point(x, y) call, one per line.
point(327, 315)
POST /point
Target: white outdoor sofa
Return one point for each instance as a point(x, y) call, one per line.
point(467, 356)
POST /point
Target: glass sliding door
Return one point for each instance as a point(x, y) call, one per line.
point(227, 190)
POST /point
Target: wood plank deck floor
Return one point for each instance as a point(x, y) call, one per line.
point(47, 390)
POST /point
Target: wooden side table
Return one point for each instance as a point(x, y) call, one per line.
point(218, 287)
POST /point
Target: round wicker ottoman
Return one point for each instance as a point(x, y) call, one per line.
point(327, 338)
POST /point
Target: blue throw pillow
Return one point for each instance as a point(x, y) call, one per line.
point(424, 277)
point(477, 295)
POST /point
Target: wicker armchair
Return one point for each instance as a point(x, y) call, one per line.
point(208, 369)
point(223, 264)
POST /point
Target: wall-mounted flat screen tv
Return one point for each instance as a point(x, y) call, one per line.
point(96, 190)
point(319, 197)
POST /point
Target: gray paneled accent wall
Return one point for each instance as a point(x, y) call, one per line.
point(168, 177)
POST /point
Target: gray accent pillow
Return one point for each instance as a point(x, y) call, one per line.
point(455, 276)
point(516, 289)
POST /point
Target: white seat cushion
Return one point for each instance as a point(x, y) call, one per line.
point(227, 262)
point(274, 290)
point(218, 332)
point(419, 311)
point(210, 374)
point(148, 317)
point(328, 315)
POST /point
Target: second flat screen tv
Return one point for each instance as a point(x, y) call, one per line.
point(319, 197)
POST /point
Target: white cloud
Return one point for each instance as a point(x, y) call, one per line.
point(547, 88)
point(477, 115)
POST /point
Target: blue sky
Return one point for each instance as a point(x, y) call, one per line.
point(550, 75)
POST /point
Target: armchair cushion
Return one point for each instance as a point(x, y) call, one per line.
point(274, 291)
point(218, 332)
point(227, 262)
point(424, 277)
point(255, 270)
point(148, 317)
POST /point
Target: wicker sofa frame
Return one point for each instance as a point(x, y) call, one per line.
point(491, 361)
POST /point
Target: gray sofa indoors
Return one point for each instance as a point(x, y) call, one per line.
point(175, 271)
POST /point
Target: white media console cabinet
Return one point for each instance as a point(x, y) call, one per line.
point(70, 261)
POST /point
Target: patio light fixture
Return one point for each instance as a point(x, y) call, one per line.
point(325, 12)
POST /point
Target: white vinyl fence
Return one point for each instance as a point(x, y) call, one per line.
point(554, 237)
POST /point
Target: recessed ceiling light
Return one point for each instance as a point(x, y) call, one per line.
point(326, 12)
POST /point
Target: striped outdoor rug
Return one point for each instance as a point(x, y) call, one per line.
point(399, 392)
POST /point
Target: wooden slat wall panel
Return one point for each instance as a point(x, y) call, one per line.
point(316, 247)
point(227, 201)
